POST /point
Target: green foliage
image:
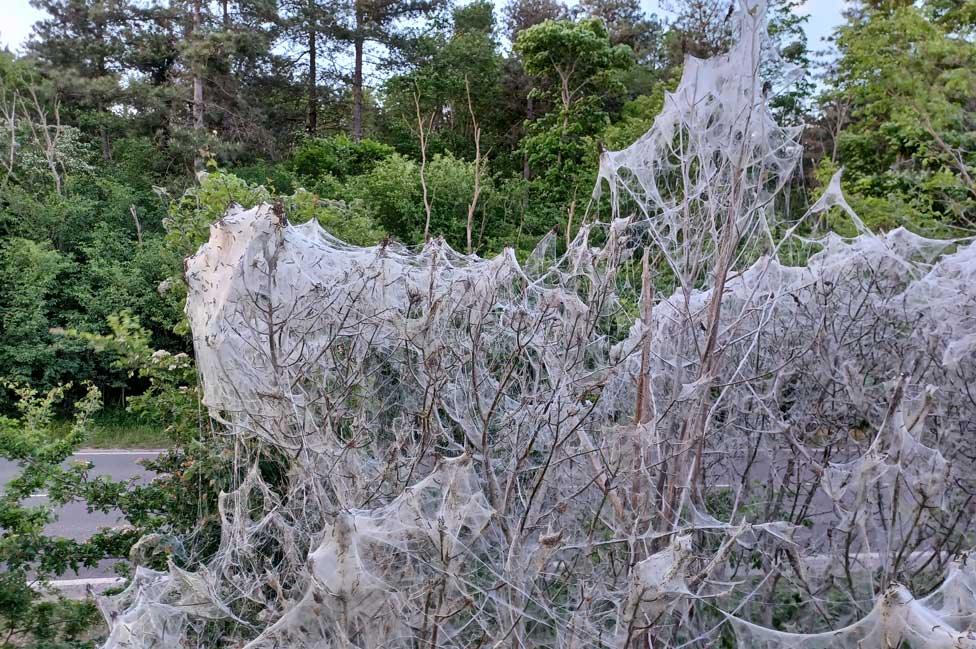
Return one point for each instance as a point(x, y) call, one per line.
point(786, 29)
point(628, 25)
point(276, 176)
point(636, 118)
point(879, 213)
point(182, 499)
point(455, 66)
point(31, 615)
point(579, 54)
point(119, 275)
point(349, 221)
point(581, 70)
point(190, 216)
point(29, 275)
point(80, 240)
point(910, 142)
point(392, 195)
point(393, 190)
point(170, 400)
point(339, 157)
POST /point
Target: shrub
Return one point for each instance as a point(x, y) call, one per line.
point(338, 156)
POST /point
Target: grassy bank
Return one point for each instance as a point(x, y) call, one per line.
point(120, 429)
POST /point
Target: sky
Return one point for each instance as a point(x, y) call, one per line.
point(825, 15)
point(17, 17)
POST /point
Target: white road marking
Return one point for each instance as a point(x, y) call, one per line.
point(79, 589)
point(114, 452)
point(90, 581)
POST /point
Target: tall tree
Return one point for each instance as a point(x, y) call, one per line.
point(249, 81)
point(581, 70)
point(906, 86)
point(312, 119)
point(522, 14)
point(701, 28)
point(464, 57)
point(628, 25)
point(81, 46)
point(194, 32)
point(793, 82)
point(237, 88)
point(389, 24)
point(307, 24)
point(519, 16)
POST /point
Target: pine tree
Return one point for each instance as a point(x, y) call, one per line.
point(306, 26)
point(81, 48)
point(522, 14)
point(628, 25)
point(385, 23)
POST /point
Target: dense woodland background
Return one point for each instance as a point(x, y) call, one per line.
point(128, 126)
point(406, 118)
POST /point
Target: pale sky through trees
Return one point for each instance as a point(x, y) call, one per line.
point(17, 17)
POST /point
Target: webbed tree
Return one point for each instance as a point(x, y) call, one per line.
point(667, 434)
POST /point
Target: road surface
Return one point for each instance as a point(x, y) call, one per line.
point(74, 521)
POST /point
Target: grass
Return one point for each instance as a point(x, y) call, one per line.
point(119, 429)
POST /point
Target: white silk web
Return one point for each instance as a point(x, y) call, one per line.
point(483, 452)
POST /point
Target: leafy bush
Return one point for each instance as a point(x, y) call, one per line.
point(183, 497)
point(337, 156)
point(30, 275)
point(31, 614)
point(276, 176)
point(189, 217)
point(393, 195)
point(350, 221)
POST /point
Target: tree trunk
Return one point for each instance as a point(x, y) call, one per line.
point(529, 115)
point(102, 130)
point(357, 78)
point(106, 143)
point(422, 133)
point(197, 79)
point(198, 124)
point(477, 166)
point(312, 119)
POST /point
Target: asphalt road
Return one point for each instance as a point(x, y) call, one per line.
point(74, 521)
